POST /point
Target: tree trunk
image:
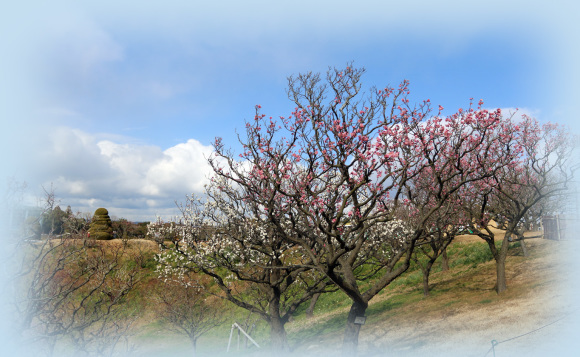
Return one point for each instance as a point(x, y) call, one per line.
point(500, 256)
point(444, 260)
point(350, 341)
point(51, 345)
point(500, 259)
point(524, 247)
point(500, 285)
point(426, 272)
point(310, 310)
point(278, 336)
point(194, 345)
point(277, 330)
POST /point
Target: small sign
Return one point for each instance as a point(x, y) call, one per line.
point(360, 320)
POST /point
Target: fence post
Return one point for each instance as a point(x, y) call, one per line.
point(493, 344)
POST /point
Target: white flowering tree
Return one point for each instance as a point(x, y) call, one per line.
point(227, 238)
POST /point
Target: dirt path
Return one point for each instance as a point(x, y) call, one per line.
point(543, 296)
point(468, 329)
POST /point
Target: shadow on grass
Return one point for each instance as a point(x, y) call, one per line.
point(383, 306)
point(317, 332)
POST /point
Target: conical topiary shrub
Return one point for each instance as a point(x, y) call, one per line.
point(101, 226)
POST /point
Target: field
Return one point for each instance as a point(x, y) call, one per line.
point(461, 317)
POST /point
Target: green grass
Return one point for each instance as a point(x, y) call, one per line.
point(392, 304)
point(470, 255)
point(449, 303)
point(398, 299)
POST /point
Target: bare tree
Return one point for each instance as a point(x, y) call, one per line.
point(74, 294)
point(432, 245)
point(189, 309)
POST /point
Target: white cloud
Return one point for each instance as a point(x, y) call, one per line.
point(140, 180)
point(183, 166)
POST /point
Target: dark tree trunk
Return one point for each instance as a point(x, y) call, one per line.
point(444, 260)
point(350, 341)
point(501, 284)
point(426, 273)
point(310, 310)
point(278, 336)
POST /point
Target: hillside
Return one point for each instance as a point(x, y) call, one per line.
point(464, 314)
point(461, 317)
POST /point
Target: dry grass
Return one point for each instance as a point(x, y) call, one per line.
point(463, 314)
point(132, 245)
point(460, 318)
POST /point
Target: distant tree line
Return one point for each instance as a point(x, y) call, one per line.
point(57, 222)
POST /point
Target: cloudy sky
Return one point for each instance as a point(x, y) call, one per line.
point(117, 103)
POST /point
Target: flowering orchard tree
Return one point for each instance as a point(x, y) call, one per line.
point(330, 178)
point(440, 230)
point(464, 148)
point(543, 169)
point(227, 238)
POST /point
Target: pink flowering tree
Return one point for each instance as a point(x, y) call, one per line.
point(440, 231)
point(331, 177)
point(544, 169)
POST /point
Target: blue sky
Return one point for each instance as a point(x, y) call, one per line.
point(117, 104)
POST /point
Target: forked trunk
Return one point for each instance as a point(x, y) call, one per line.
point(426, 273)
point(353, 325)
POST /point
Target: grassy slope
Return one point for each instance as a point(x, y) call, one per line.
point(462, 306)
point(462, 303)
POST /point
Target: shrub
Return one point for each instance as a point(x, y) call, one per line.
point(101, 227)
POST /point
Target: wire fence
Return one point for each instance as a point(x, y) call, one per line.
point(494, 343)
